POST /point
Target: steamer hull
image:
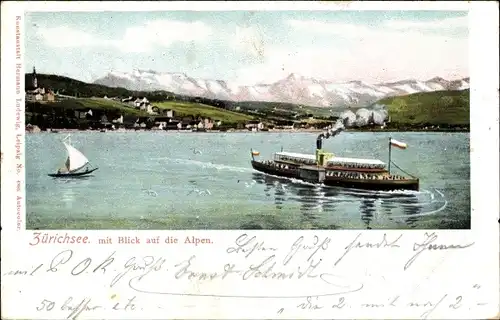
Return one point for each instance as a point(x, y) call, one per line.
point(328, 180)
point(275, 171)
point(378, 185)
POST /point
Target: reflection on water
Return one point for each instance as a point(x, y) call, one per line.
point(367, 209)
point(316, 201)
point(70, 190)
point(411, 208)
point(387, 207)
point(72, 186)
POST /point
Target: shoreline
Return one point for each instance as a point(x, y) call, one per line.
point(247, 131)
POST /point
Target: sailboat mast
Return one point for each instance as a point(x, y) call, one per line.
point(67, 138)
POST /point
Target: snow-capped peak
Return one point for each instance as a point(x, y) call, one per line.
point(294, 88)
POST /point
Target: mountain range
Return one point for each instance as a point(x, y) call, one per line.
point(292, 89)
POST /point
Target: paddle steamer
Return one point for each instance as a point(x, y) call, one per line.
point(328, 169)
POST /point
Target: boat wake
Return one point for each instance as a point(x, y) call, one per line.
point(373, 205)
point(442, 201)
point(205, 165)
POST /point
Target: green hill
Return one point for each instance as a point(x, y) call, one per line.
point(430, 108)
point(194, 109)
point(282, 109)
point(82, 103)
point(72, 87)
point(114, 107)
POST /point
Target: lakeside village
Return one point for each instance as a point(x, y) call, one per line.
point(103, 120)
point(45, 110)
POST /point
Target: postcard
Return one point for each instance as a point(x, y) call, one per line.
point(248, 160)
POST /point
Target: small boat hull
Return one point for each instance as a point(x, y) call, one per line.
point(367, 184)
point(72, 175)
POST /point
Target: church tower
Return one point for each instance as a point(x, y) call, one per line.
point(33, 79)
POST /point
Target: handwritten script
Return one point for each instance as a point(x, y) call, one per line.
point(310, 274)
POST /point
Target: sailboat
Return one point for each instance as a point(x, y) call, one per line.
point(75, 163)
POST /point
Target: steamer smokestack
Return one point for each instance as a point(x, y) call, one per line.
point(319, 141)
point(320, 155)
point(337, 128)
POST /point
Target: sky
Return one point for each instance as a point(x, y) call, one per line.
point(250, 47)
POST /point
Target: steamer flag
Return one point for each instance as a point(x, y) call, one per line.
point(398, 144)
point(254, 153)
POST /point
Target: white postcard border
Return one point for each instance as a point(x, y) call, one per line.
point(470, 273)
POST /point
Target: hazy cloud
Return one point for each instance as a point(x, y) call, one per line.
point(162, 33)
point(443, 24)
point(376, 54)
point(141, 38)
point(258, 53)
point(66, 37)
point(250, 40)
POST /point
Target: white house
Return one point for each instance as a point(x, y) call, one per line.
point(169, 113)
point(254, 125)
point(161, 124)
point(35, 95)
point(205, 124)
point(141, 103)
point(118, 120)
point(137, 103)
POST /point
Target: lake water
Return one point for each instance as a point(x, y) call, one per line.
point(171, 180)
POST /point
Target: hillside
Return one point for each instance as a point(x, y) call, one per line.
point(430, 108)
point(282, 108)
point(96, 104)
point(199, 109)
point(111, 107)
point(71, 87)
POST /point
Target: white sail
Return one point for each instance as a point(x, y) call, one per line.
point(76, 160)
